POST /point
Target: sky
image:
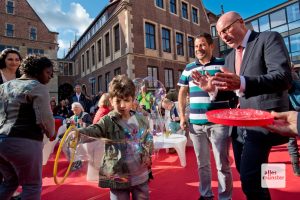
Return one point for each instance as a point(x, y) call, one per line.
point(72, 17)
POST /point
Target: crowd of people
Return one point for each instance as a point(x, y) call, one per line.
point(63, 108)
point(258, 60)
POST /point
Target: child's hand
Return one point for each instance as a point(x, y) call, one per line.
point(147, 161)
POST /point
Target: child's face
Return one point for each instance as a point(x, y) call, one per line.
point(167, 106)
point(122, 105)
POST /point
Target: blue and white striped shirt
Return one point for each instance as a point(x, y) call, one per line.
point(200, 101)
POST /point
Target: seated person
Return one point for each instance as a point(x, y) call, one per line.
point(104, 107)
point(80, 119)
point(174, 123)
point(62, 110)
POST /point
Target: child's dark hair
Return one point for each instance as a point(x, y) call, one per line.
point(121, 86)
point(34, 65)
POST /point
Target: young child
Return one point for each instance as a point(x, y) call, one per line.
point(170, 105)
point(127, 160)
point(174, 123)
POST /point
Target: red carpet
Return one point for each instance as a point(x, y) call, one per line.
point(171, 181)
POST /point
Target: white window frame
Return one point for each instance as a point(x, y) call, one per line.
point(101, 57)
point(198, 15)
point(113, 38)
point(188, 10)
point(151, 52)
point(13, 30)
point(164, 5)
point(13, 7)
point(93, 55)
point(184, 44)
point(83, 63)
point(169, 77)
point(35, 33)
point(177, 8)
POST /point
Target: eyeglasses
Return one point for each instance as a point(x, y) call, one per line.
point(227, 28)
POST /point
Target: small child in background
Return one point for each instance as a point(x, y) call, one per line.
point(170, 105)
point(174, 124)
point(104, 107)
point(127, 160)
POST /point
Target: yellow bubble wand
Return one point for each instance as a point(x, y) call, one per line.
point(72, 145)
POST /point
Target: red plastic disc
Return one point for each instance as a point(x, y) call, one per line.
point(240, 117)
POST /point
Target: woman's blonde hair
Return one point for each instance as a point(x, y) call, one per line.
point(104, 100)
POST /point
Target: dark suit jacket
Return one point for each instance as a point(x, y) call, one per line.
point(267, 72)
point(82, 101)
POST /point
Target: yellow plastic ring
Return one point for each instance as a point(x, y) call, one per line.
point(73, 146)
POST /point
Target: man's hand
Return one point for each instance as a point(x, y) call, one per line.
point(183, 123)
point(226, 81)
point(203, 81)
point(285, 123)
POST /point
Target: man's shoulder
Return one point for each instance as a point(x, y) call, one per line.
point(218, 61)
point(85, 114)
point(191, 66)
point(268, 35)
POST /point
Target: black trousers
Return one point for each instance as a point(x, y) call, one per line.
point(251, 147)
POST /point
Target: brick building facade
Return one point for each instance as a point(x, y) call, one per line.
point(138, 38)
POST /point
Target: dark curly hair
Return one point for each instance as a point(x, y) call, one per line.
point(121, 86)
point(34, 65)
point(3, 56)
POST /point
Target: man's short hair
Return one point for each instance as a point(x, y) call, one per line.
point(207, 36)
point(121, 86)
point(77, 85)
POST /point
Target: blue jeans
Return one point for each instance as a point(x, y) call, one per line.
point(139, 192)
point(21, 164)
point(218, 136)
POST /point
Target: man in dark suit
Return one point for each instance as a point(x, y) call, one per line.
point(259, 72)
point(79, 97)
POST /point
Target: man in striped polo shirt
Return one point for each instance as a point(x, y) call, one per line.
point(202, 132)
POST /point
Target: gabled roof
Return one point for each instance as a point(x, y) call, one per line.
point(39, 17)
